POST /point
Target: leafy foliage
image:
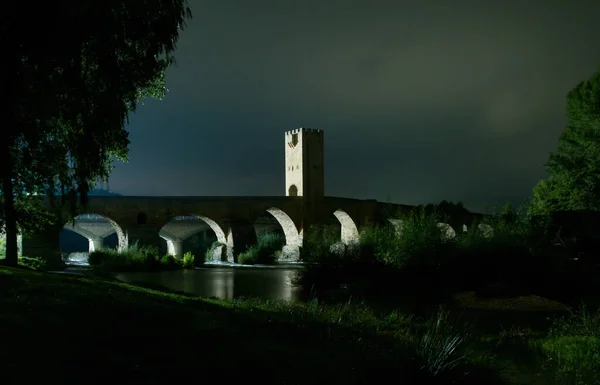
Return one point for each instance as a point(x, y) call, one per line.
point(134, 258)
point(189, 261)
point(318, 240)
point(265, 251)
point(211, 253)
point(574, 168)
point(391, 260)
point(31, 215)
point(65, 117)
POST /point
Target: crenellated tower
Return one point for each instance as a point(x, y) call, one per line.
point(304, 163)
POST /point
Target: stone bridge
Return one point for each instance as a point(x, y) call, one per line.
point(235, 221)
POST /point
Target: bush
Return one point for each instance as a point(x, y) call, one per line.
point(40, 264)
point(189, 260)
point(209, 255)
point(421, 240)
point(169, 261)
point(389, 262)
point(265, 252)
point(318, 240)
point(375, 267)
point(34, 263)
point(381, 244)
point(135, 257)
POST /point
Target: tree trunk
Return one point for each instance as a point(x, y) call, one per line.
point(10, 214)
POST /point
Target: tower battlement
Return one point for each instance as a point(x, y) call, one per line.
point(304, 130)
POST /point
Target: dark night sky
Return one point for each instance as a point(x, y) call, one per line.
point(420, 100)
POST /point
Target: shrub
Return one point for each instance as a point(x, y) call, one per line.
point(264, 252)
point(135, 257)
point(421, 238)
point(418, 242)
point(318, 240)
point(169, 260)
point(98, 257)
point(209, 255)
point(380, 244)
point(189, 260)
point(391, 261)
point(35, 263)
point(382, 254)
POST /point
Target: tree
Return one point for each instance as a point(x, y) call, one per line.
point(574, 182)
point(64, 124)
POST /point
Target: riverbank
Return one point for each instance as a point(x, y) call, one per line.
point(103, 331)
point(99, 331)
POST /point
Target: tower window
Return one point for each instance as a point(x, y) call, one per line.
point(294, 139)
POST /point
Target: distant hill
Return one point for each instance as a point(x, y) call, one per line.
point(100, 192)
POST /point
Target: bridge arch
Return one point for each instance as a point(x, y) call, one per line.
point(446, 231)
point(275, 221)
point(486, 230)
point(397, 224)
point(178, 229)
point(292, 237)
point(349, 231)
point(95, 228)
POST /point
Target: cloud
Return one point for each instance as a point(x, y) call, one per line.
point(423, 101)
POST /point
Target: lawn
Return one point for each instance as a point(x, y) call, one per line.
point(59, 328)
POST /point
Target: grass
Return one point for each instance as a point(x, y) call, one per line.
point(511, 282)
point(502, 293)
point(573, 347)
point(81, 326)
point(102, 331)
point(36, 263)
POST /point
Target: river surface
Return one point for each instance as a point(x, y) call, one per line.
point(224, 282)
point(219, 280)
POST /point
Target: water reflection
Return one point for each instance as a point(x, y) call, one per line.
point(224, 282)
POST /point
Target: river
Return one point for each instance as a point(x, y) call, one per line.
point(223, 281)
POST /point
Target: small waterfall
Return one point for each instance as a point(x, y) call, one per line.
point(77, 258)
